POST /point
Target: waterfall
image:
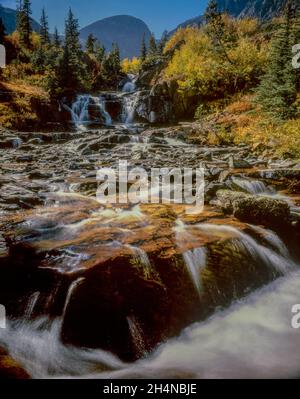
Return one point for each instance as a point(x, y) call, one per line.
point(100, 101)
point(130, 86)
point(142, 259)
point(136, 336)
point(273, 239)
point(244, 243)
point(71, 291)
point(37, 346)
point(129, 108)
point(81, 111)
point(253, 338)
point(252, 186)
point(195, 261)
point(32, 301)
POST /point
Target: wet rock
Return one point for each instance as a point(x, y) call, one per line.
point(277, 174)
point(236, 163)
point(153, 108)
point(269, 212)
point(10, 369)
point(211, 190)
point(10, 142)
point(24, 158)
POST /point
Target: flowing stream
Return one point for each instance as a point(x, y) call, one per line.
point(248, 332)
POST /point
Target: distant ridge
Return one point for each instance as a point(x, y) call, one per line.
point(263, 9)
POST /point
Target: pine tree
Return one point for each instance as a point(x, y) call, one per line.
point(19, 8)
point(2, 31)
point(100, 52)
point(71, 70)
point(111, 68)
point(162, 43)
point(56, 39)
point(277, 92)
point(143, 49)
point(44, 30)
point(296, 34)
point(90, 44)
point(24, 22)
point(152, 46)
point(116, 59)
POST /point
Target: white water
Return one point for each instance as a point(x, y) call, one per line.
point(195, 261)
point(252, 339)
point(80, 110)
point(71, 292)
point(130, 86)
point(253, 186)
point(137, 336)
point(129, 108)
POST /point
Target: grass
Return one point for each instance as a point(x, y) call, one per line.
point(242, 121)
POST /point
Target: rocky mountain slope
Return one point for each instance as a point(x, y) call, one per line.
point(264, 9)
point(125, 30)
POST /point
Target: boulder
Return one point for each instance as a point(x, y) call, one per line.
point(269, 212)
point(235, 163)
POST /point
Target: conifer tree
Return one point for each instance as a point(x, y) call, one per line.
point(56, 38)
point(100, 52)
point(152, 46)
point(162, 43)
point(24, 22)
point(44, 30)
point(296, 35)
point(277, 91)
point(71, 69)
point(143, 49)
point(90, 44)
point(111, 68)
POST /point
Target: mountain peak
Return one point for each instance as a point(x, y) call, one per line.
point(125, 30)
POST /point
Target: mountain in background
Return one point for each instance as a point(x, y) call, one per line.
point(124, 30)
point(190, 22)
point(9, 17)
point(263, 9)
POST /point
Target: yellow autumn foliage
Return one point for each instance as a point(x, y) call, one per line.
point(200, 69)
point(131, 66)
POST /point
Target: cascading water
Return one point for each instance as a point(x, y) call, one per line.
point(130, 86)
point(246, 340)
point(129, 108)
point(136, 336)
point(195, 261)
point(89, 109)
point(253, 186)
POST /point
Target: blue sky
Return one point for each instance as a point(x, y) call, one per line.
point(158, 14)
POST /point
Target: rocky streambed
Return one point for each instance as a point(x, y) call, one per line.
point(107, 285)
